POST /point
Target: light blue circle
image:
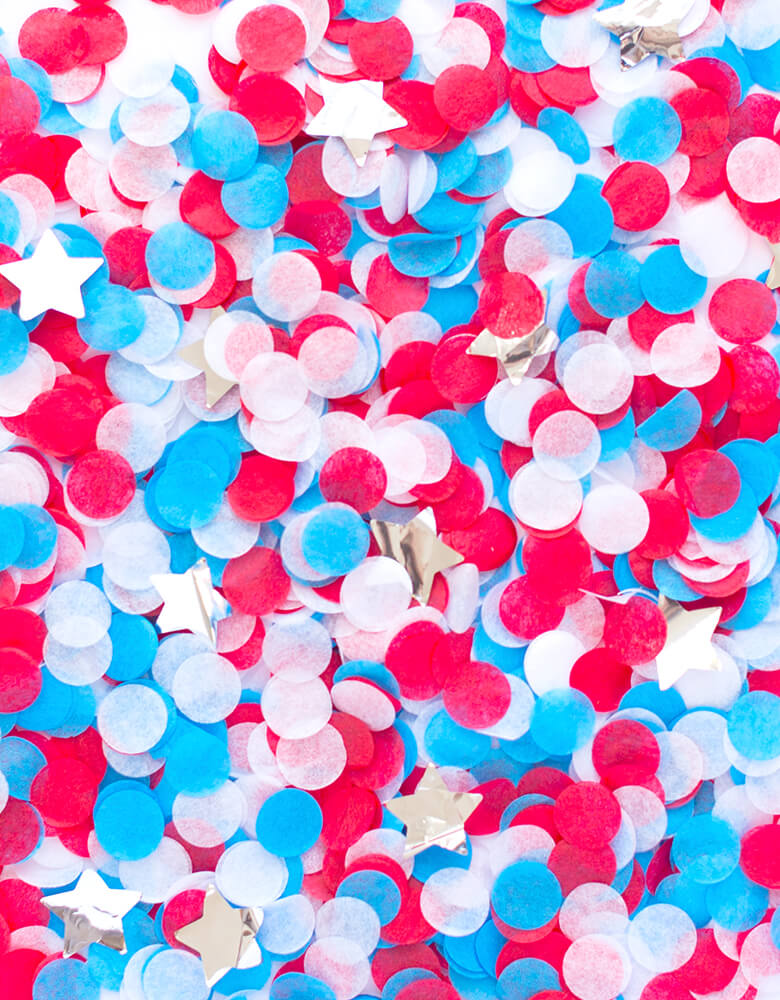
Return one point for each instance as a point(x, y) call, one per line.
point(371, 11)
point(562, 721)
point(129, 824)
point(421, 255)
point(114, 317)
point(11, 536)
point(179, 257)
point(376, 889)
point(672, 425)
point(335, 540)
point(14, 342)
point(586, 216)
point(706, 849)
point(647, 129)
point(224, 145)
point(526, 895)
point(197, 763)
point(566, 133)
point(188, 494)
point(737, 903)
point(298, 986)
point(754, 725)
point(757, 463)
point(40, 535)
point(10, 222)
point(451, 745)
point(289, 822)
point(20, 761)
point(668, 284)
point(258, 199)
point(612, 284)
point(455, 166)
point(758, 602)
point(65, 979)
point(133, 646)
point(525, 977)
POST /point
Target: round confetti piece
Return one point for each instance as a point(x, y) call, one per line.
point(256, 582)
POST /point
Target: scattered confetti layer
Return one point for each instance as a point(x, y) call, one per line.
point(389, 479)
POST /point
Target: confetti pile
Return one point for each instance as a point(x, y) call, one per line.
point(389, 500)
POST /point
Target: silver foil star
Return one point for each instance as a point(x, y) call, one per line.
point(92, 912)
point(189, 601)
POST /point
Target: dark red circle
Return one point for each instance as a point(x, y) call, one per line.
point(635, 631)
point(414, 100)
point(625, 753)
point(100, 484)
point(600, 675)
point(524, 613)
point(256, 582)
point(760, 856)
point(510, 304)
point(477, 695)
point(54, 38)
point(20, 109)
point(638, 195)
point(459, 376)
point(20, 830)
point(273, 106)
point(704, 116)
point(465, 97)
point(271, 38)
point(587, 814)
point(669, 525)
point(263, 489)
point(707, 482)
point(381, 51)
point(742, 311)
point(20, 680)
point(353, 476)
point(558, 568)
point(64, 792)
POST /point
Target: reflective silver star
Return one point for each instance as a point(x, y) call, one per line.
point(92, 912)
point(224, 936)
point(433, 815)
point(645, 28)
point(189, 601)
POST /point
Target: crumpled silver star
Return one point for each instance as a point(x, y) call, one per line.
point(189, 601)
point(433, 815)
point(224, 936)
point(645, 28)
point(354, 112)
point(92, 912)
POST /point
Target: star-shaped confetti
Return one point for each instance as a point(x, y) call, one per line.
point(92, 912)
point(355, 112)
point(433, 815)
point(224, 936)
point(195, 355)
point(773, 278)
point(645, 28)
point(515, 354)
point(688, 642)
point(189, 601)
point(50, 279)
point(417, 547)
